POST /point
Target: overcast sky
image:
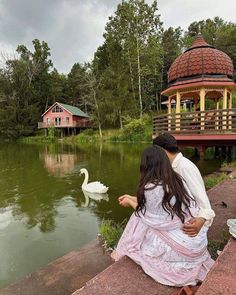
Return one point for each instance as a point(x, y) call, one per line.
point(73, 28)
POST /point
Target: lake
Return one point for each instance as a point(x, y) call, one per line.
point(43, 211)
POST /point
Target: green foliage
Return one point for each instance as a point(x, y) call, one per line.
point(137, 130)
point(88, 132)
point(111, 232)
point(214, 179)
point(218, 245)
point(229, 165)
point(24, 90)
point(209, 153)
point(37, 139)
point(136, 126)
point(51, 132)
point(172, 43)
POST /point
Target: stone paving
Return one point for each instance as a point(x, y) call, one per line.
point(124, 278)
point(223, 202)
point(222, 278)
point(64, 275)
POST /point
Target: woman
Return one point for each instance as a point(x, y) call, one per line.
point(153, 237)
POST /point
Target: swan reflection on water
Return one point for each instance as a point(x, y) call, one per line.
point(93, 196)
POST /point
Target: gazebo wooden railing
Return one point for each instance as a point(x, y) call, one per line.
point(210, 121)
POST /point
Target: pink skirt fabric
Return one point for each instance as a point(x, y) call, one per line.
point(164, 252)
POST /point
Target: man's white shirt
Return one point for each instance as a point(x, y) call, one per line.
point(194, 182)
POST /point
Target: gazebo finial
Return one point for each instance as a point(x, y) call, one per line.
point(199, 30)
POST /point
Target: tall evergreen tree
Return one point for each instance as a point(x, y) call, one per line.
point(137, 28)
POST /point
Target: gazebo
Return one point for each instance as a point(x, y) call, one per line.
point(201, 74)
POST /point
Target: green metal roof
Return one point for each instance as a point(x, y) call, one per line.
point(74, 110)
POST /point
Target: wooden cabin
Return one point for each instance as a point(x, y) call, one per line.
point(201, 73)
point(67, 118)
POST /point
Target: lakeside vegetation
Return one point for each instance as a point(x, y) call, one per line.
point(134, 130)
point(123, 80)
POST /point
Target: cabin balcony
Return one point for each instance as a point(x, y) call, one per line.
point(199, 122)
point(62, 124)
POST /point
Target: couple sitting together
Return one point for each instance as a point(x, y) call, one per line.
point(167, 233)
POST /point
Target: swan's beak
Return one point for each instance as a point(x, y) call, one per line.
point(80, 173)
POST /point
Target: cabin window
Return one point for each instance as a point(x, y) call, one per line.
point(57, 109)
point(57, 121)
point(67, 120)
point(48, 121)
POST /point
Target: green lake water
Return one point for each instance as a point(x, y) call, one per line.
point(43, 211)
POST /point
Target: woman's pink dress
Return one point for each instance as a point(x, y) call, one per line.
point(157, 243)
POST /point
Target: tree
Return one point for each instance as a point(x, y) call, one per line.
point(26, 89)
point(172, 45)
point(76, 85)
point(58, 87)
point(136, 28)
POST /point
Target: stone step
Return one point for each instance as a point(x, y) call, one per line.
point(64, 275)
point(221, 280)
point(124, 278)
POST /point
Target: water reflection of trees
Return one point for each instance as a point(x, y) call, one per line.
point(35, 194)
point(28, 189)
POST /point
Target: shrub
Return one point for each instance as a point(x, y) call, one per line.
point(218, 245)
point(88, 132)
point(51, 132)
point(136, 126)
point(214, 179)
point(111, 232)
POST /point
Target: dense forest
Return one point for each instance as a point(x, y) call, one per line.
point(124, 79)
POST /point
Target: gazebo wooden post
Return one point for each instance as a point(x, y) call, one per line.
point(195, 104)
point(202, 107)
point(177, 111)
point(217, 114)
point(224, 118)
point(230, 105)
point(169, 113)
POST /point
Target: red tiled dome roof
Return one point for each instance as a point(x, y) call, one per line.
point(200, 59)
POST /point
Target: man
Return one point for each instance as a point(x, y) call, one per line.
point(193, 181)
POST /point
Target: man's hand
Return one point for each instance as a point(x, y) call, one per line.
point(193, 226)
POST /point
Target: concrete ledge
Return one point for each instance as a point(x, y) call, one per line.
point(64, 275)
point(124, 278)
point(222, 277)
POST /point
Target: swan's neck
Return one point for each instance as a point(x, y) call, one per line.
point(85, 178)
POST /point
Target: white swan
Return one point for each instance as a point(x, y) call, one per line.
point(92, 187)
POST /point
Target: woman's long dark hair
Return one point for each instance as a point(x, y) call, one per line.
point(155, 168)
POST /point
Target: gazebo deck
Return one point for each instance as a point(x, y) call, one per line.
point(199, 122)
point(199, 129)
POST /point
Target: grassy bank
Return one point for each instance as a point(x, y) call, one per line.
point(213, 179)
point(135, 130)
point(40, 137)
